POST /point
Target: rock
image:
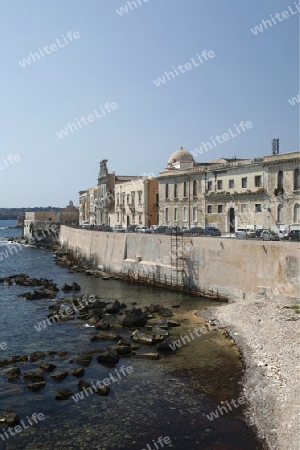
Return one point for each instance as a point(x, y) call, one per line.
point(13, 374)
point(79, 372)
point(75, 286)
point(59, 376)
point(108, 358)
point(142, 338)
point(4, 362)
point(161, 310)
point(62, 353)
point(66, 287)
point(120, 349)
point(34, 375)
point(82, 384)
point(104, 335)
point(107, 321)
point(113, 308)
point(9, 418)
point(63, 394)
point(49, 367)
point(135, 318)
point(37, 355)
point(105, 390)
point(163, 323)
point(19, 358)
point(84, 360)
point(146, 356)
point(37, 386)
point(167, 344)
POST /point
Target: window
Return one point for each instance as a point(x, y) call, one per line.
point(297, 179)
point(209, 209)
point(166, 191)
point(184, 213)
point(257, 181)
point(128, 199)
point(258, 207)
point(244, 182)
point(118, 199)
point(220, 208)
point(175, 190)
point(280, 213)
point(195, 214)
point(185, 189)
point(194, 188)
point(140, 219)
point(140, 196)
point(243, 208)
point(175, 214)
point(231, 184)
point(167, 214)
point(209, 185)
point(132, 218)
point(297, 213)
point(118, 217)
point(220, 184)
point(280, 179)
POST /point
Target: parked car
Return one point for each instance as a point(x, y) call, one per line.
point(142, 229)
point(196, 231)
point(245, 233)
point(294, 235)
point(153, 228)
point(161, 229)
point(212, 231)
point(118, 229)
point(258, 232)
point(175, 231)
point(267, 235)
point(106, 228)
point(131, 228)
point(85, 224)
point(283, 234)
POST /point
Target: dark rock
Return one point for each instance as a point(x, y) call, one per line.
point(79, 372)
point(161, 310)
point(146, 356)
point(37, 386)
point(113, 308)
point(34, 375)
point(62, 353)
point(9, 418)
point(13, 374)
point(120, 349)
point(108, 358)
point(84, 360)
point(59, 376)
point(63, 394)
point(37, 355)
point(75, 286)
point(82, 384)
point(105, 390)
point(49, 367)
point(19, 358)
point(136, 318)
point(167, 344)
point(104, 335)
point(142, 338)
point(4, 362)
point(66, 287)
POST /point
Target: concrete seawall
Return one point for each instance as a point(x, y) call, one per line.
point(234, 268)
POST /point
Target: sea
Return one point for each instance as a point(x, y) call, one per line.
point(170, 398)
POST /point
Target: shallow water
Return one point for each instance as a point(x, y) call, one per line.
point(167, 397)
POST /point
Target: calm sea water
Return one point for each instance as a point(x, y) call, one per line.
point(168, 397)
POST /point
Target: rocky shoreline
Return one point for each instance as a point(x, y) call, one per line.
point(267, 333)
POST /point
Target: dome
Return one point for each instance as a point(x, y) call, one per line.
point(180, 156)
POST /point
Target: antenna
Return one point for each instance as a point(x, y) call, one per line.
point(275, 146)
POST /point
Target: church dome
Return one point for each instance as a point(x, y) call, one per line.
point(181, 157)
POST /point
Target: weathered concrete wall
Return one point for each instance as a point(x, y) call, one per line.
point(234, 267)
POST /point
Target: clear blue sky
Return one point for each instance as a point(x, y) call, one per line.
point(116, 59)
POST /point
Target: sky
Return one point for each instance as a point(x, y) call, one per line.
point(93, 54)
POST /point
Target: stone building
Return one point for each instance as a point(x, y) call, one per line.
point(230, 193)
point(120, 199)
point(87, 205)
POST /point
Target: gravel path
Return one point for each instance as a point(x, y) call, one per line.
point(267, 332)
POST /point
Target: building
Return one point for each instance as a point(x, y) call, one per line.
point(120, 199)
point(230, 193)
point(37, 221)
point(87, 205)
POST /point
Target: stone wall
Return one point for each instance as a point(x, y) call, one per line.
point(233, 267)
